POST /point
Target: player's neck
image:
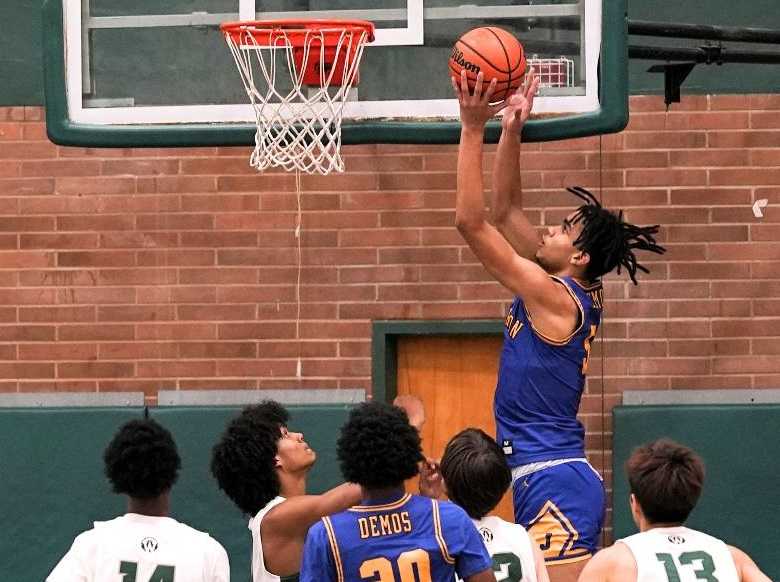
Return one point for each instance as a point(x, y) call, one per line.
point(645, 526)
point(371, 496)
point(292, 484)
point(156, 507)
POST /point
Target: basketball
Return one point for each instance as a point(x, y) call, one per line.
point(493, 51)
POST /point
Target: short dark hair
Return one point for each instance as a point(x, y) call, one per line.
point(666, 478)
point(475, 471)
point(609, 240)
point(377, 447)
point(142, 460)
point(244, 459)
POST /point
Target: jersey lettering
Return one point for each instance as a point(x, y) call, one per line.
point(129, 571)
point(706, 570)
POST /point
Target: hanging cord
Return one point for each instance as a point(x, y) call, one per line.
point(603, 348)
point(298, 222)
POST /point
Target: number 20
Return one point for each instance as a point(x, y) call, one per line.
point(383, 568)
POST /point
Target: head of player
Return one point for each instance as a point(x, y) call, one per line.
point(593, 241)
point(475, 472)
point(378, 449)
point(257, 456)
point(665, 480)
point(142, 462)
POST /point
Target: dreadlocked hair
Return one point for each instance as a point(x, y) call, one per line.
point(609, 240)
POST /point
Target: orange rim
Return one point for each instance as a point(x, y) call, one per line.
point(267, 33)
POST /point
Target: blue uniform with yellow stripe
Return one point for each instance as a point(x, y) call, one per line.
point(558, 496)
point(411, 539)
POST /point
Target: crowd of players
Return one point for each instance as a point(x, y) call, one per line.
point(371, 528)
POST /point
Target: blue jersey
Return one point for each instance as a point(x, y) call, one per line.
point(540, 381)
point(411, 538)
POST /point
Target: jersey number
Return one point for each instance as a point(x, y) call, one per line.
point(705, 572)
point(160, 574)
point(507, 567)
point(381, 569)
point(588, 340)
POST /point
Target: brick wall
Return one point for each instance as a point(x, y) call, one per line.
point(144, 269)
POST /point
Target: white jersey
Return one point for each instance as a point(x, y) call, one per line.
point(509, 545)
point(679, 554)
point(142, 548)
point(259, 572)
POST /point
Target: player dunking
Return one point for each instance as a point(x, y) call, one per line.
point(550, 325)
point(142, 462)
point(391, 535)
point(666, 480)
point(262, 466)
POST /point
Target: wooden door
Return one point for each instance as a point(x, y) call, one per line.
point(455, 377)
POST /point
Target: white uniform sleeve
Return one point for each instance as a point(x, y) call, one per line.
point(221, 564)
point(74, 566)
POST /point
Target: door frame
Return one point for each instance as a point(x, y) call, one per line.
point(384, 345)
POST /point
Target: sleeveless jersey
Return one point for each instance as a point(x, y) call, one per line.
point(141, 547)
point(411, 538)
point(541, 379)
point(682, 555)
point(509, 546)
point(259, 572)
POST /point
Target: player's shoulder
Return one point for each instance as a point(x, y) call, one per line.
point(616, 561)
point(449, 512)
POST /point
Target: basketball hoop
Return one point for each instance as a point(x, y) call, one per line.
point(298, 74)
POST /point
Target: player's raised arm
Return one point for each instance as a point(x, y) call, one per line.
point(519, 275)
point(294, 517)
point(506, 198)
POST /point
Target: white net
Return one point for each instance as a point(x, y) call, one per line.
point(298, 80)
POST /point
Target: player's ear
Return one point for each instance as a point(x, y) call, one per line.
point(580, 259)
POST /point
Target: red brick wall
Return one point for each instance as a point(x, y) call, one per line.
point(144, 269)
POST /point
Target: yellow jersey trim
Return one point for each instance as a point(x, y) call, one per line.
point(551, 562)
point(384, 507)
point(334, 548)
point(437, 531)
point(548, 339)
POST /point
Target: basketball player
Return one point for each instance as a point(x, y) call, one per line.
point(143, 545)
point(665, 480)
point(476, 476)
point(549, 328)
point(262, 466)
point(391, 535)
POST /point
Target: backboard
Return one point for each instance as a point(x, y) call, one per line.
point(149, 73)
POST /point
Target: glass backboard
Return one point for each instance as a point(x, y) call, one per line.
point(159, 73)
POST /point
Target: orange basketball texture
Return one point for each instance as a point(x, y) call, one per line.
point(493, 51)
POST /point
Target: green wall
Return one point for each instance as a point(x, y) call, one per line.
point(739, 446)
point(53, 487)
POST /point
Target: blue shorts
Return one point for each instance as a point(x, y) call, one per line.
point(562, 507)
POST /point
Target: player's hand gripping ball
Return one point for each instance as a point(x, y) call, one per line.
point(495, 53)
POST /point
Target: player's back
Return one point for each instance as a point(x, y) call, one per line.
point(140, 548)
point(680, 554)
point(509, 546)
point(413, 536)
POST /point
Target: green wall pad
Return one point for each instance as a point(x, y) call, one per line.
point(739, 445)
point(54, 488)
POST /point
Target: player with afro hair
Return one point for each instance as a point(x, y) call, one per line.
point(391, 529)
point(142, 462)
point(262, 467)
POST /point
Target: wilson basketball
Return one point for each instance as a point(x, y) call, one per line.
point(494, 52)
